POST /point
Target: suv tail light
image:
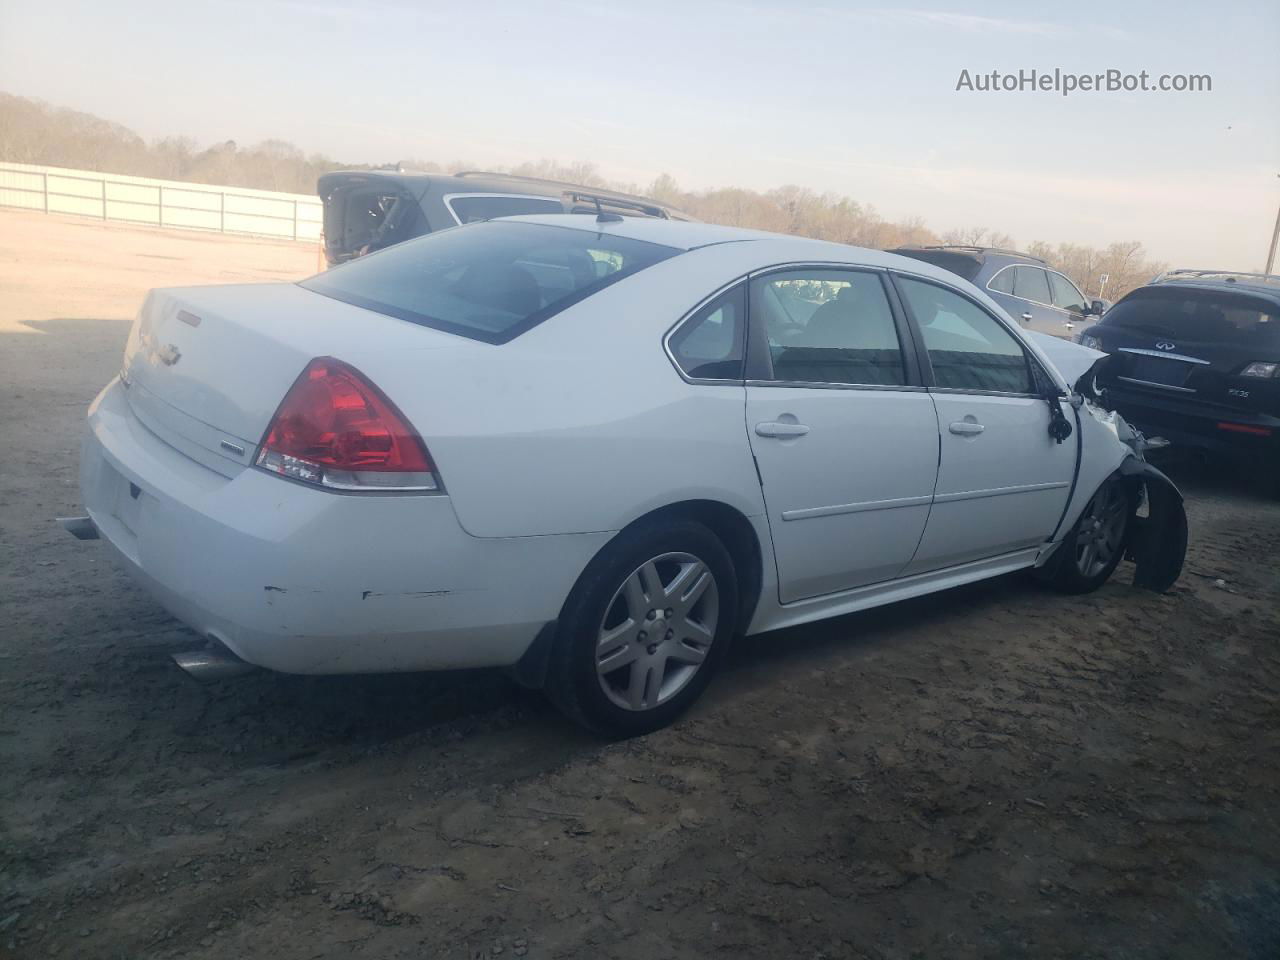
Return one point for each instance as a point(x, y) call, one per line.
point(336, 429)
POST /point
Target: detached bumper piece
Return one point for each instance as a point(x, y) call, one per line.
point(1158, 544)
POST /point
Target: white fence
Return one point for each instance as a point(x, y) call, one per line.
point(161, 203)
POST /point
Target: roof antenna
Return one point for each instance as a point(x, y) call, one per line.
point(602, 217)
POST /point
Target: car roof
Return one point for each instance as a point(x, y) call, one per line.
point(1222, 281)
point(480, 181)
point(681, 234)
point(773, 247)
point(979, 254)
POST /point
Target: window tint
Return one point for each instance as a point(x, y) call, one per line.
point(489, 281)
point(968, 348)
point(709, 344)
point(829, 326)
point(1002, 282)
point(1065, 294)
point(1030, 283)
point(470, 209)
point(1200, 315)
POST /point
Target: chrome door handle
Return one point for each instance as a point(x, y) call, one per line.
point(772, 428)
point(966, 428)
point(1026, 317)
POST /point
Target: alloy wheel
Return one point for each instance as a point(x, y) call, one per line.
point(657, 631)
point(1101, 530)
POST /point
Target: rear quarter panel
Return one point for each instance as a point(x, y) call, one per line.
point(582, 424)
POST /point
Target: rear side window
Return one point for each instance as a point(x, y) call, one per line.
point(708, 346)
point(1200, 315)
point(1030, 283)
point(488, 281)
point(1002, 282)
point(829, 326)
point(968, 348)
point(471, 209)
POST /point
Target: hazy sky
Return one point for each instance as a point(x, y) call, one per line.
point(854, 98)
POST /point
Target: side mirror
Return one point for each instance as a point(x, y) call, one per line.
point(1095, 309)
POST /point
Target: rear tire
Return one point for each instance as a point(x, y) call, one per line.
point(644, 629)
point(1090, 553)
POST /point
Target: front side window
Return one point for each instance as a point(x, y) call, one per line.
point(829, 326)
point(708, 346)
point(968, 348)
point(1030, 283)
point(488, 281)
point(1065, 294)
point(478, 207)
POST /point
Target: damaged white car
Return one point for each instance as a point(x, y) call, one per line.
point(593, 450)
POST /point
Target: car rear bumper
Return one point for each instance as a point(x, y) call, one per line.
point(1197, 425)
point(310, 581)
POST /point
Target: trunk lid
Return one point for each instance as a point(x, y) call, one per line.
point(207, 367)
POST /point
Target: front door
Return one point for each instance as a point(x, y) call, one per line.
point(844, 436)
point(1003, 481)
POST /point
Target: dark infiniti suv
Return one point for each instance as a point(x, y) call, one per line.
point(1039, 297)
point(1196, 359)
point(367, 210)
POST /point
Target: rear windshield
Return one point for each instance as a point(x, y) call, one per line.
point(1202, 315)
point(961, 264)
point(488, 281)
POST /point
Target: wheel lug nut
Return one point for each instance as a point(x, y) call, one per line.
point(669, 612)
point(653, 648)
point(643, 635)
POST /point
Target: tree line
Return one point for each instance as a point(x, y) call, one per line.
point(38, 133)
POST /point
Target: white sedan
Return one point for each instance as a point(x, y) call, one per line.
point(593, 450)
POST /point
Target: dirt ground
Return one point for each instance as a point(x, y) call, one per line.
point(993, 772)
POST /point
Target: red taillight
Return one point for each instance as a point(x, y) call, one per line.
point(336, 429)
point(1245, 428)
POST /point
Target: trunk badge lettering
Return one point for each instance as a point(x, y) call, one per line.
point(190, 319)
point(232, 447)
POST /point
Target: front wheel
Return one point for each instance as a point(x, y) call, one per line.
point(644, 628)
point(1090, 553)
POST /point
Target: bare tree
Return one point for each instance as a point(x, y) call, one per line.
point(978, 237)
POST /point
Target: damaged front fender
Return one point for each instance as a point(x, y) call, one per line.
point(1157, 542)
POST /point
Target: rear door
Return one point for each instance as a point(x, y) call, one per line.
point(1027, 287)
point(1003, 481)
point(844, 435)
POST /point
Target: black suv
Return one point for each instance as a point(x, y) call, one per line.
point(1196, 359)
point(1031, 291)
point(368, 210)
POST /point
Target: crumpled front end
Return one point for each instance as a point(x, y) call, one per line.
point(1157, 541)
